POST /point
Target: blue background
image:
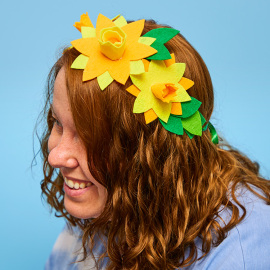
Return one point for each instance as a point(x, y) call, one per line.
point(231, 36)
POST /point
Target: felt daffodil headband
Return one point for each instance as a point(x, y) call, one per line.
point(115, 50)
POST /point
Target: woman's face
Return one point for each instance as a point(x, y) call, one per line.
point(84, 196)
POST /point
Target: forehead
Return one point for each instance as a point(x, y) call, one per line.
point(60, 98)
point(60, 89)
point(60, 106)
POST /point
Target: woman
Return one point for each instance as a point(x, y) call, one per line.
point(141, 193)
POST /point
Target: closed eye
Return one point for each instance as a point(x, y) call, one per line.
point(57, 124)
point(54, 118)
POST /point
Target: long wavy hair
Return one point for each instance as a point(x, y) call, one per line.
point(164, 190)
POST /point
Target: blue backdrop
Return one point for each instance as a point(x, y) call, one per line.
point(231, 36)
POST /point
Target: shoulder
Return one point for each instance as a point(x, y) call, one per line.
point(64, 251)
point(67, 252)
point(254, 233)
point(247, 244)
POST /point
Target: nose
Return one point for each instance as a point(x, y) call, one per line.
point(62, 154)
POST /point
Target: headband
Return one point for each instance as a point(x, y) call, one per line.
point(116, 50)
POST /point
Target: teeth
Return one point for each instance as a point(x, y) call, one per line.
point(82, 185)
point(70, 183)
point(76, 185)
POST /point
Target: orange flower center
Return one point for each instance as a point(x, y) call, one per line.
point(164, 91)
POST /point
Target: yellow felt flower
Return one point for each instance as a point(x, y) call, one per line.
point(112, 51)
point(161, 90)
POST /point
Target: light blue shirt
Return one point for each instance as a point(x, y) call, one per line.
point(247, 246)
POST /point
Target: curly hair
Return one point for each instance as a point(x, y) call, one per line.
point(164, 190)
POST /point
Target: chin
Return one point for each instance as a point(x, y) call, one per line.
point(81, 211)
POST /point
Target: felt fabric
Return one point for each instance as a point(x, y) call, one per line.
point(85, 21)
point(162, 35)
point(161, 92)
point(113, 47)
point(159, 73)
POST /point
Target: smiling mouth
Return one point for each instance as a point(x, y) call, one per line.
point(77, 184)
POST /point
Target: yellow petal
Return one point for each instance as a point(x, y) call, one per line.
point(158, 67)
point(147, 40)
point(142, 103)
point(150, 116)
point(182, 95)
point(136, 67)
point(133, 31)
point(120, 21)
point(146, 64)
point(88, 32)
point(86, 46)
point(186, 83)
point(120, 70)
point(146, 101)
point(103, 22)
point(133, 90)
point(104, 80)
point(171, 61)
point(80, 62)
point(138, 51)
point(162, 109)
point(92, 70)
point(176, 108)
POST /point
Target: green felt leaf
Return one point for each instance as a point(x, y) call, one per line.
point(162, 54)
point(189, 134)
point(202, 119)
point(190, 107)
point(162, 35)
point(203, 122)
point(193, 124)
point(173, 125)
point(205, 128)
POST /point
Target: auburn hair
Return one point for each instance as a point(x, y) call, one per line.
point(164, 190)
